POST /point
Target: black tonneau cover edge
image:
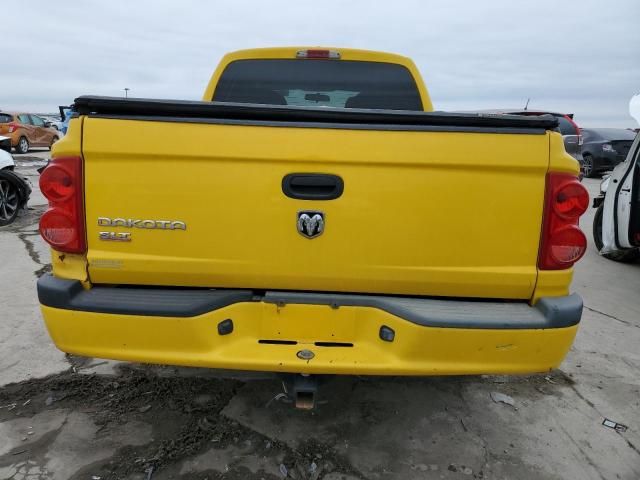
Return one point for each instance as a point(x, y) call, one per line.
point(142, 107)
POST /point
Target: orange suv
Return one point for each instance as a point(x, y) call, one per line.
point(27, 130)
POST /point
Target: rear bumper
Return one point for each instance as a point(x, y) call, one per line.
point(190, 327)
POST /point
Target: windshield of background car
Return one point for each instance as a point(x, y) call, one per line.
point(319, 83)
point(614, 133)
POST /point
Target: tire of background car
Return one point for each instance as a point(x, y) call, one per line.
point(625, 256)
point(587, 166)
point(23, 145)
point(53, 140)
point(12, 182)
point(9, 200)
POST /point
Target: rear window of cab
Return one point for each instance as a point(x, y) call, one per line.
point(6, 118)
point(319, 83)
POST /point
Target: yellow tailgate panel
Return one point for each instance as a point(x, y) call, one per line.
point(422, 213)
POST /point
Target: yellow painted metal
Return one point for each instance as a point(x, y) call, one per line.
point(559, 159)
point(346, 54)
point(423, 213)
point(70, 266)
point(552, 283)
point(71, 143)
point(416, 350)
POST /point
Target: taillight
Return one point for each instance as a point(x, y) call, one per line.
point(62, 225)
point(562, 243)
point(12, 127)
point(311, 54)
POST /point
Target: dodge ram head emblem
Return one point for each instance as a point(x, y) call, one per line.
point(310, 223)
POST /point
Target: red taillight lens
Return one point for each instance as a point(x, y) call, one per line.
point(56, 183)
point(62, 225)
point(571, 199)
point(57, 228)
point(567, 245)
point(12, 127)
point(562, 243)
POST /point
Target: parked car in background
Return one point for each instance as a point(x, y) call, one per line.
point(568, 128)
point(616, 224)
point(5, 144)
point(6, 160)
point(54, 120)
point(14, 190)
point(27, 130)
point(604, 148)
point(65, 115)
point(571, 133)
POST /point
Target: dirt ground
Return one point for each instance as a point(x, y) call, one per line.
point(161, 418)
point(65, 417)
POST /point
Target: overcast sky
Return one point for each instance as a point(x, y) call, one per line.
point(581, 57)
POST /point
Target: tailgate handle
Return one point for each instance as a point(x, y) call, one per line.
point(312, 186)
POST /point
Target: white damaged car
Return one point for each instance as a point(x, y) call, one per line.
point(616, 225)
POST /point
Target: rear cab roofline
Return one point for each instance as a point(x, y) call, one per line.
point(348, 54)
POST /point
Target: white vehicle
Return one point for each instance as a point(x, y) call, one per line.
point(14, 190)
point(616, 225)
point(6, 160)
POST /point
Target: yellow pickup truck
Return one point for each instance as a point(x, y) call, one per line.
point(314, 215)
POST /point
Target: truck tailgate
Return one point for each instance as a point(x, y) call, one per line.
point(443, 213)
